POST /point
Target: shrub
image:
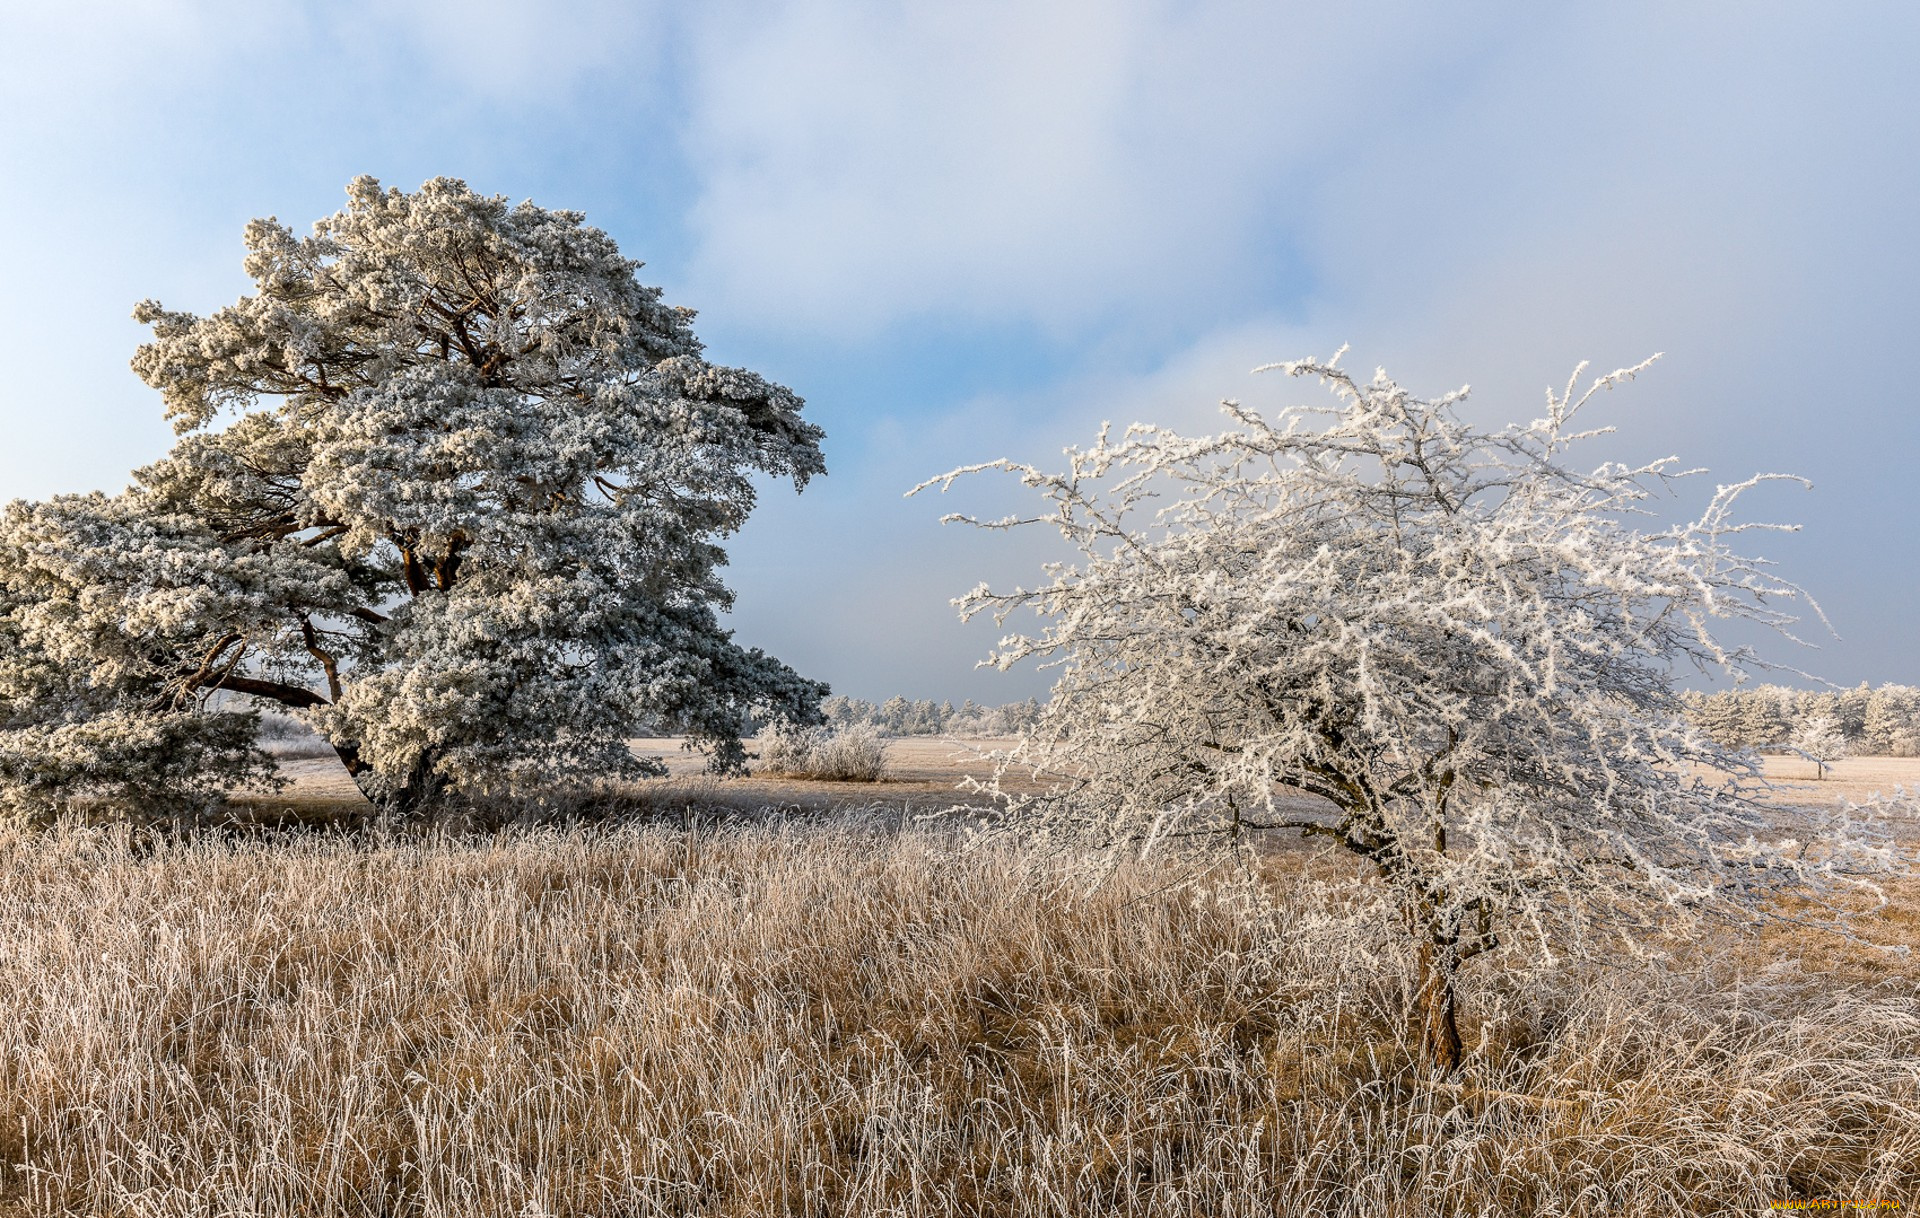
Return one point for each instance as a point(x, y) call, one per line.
point(855, 753)
point(1459, 646)
point(289, 739)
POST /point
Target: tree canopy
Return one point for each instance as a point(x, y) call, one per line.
point(451, 484)
point(1440, 648)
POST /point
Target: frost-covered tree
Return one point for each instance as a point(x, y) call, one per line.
point(1820, 740)
point(1877, 721)
point(1850, 712)
point(451, 485)
point(1458, 646)
point(1766, 720)
point(1891, 725)
point(1718, 715)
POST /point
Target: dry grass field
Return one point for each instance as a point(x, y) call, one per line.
point(822, 1009)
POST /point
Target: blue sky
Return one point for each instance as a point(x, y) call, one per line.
point(964, 232)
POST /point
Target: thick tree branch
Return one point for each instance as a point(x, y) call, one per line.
point(327, 662)
point(295, 696)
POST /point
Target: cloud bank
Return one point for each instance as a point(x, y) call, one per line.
point(972, 232)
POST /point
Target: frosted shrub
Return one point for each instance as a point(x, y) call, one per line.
point(1820, 741)
point(290, 739)
point(785, 748)
point(854, 753)
point(1457, 643)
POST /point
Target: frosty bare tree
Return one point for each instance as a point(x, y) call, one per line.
point(1821, 741)
point(1457, 646)
point(466, 521)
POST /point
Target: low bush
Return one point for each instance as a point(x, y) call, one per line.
point(290, 739)
point(854, 753)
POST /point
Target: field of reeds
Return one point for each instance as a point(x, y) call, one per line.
point(836, 1012)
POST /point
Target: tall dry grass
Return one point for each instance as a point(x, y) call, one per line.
point(841, 1019)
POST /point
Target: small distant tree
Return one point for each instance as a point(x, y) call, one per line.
point(1460, 644)
point(451, 487)
point(1820, 740)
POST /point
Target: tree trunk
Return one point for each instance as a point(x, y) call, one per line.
point(1436, 1026)
point(422, 789)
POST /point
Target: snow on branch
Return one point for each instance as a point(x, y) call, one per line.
point(1444, 648)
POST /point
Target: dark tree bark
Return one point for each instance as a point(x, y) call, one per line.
point(423, 789)
point(1434, 1015)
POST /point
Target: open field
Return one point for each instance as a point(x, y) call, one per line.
point(824, 1012)
point(925, 773)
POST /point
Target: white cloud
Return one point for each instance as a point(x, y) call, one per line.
point(512, 52)
point(1058, 164)
point(1470, 192)
point(1720, 184)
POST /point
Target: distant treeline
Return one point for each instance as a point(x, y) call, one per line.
point(1883, 721)
point(900, 717)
